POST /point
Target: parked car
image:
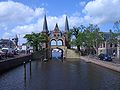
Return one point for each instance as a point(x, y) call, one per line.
point(105, 57)
point(2, 54)
point(8, 52)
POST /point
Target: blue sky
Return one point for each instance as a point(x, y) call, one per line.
point(26, 16)
point(55, 7)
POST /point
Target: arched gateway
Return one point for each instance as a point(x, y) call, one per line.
point(57, 40)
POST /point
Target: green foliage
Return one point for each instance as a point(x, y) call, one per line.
point(35, 39)
point(113, 37)
point(117, 26)
point(117, 29)
point(89, 37)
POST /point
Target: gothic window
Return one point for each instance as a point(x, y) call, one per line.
point(115, 45)
point(60, 42)
point(53, 42)
point(111, 45)
point(103, 44)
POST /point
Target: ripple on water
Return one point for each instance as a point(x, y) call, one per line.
point(57, 75)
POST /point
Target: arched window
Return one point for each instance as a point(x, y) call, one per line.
point(60, 42)
point(53, 42)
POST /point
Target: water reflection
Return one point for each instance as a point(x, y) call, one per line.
point(30, 69)
point(55, 75)
point(25, 82)
point(26, 74)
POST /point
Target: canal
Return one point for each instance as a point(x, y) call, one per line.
point(57, 75)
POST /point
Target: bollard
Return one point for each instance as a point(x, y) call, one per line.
point(24, 71)
point(30, 69)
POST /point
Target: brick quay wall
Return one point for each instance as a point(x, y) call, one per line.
point(14, 62)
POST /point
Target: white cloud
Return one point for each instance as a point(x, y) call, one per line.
point(18, 18)
point(26, 20)
point(39, 12)
point(102, 11)
point(14, 13)
point(51, 21)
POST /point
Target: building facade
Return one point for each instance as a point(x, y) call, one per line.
point(56, 38)
point(107, 47)
point(7, 43)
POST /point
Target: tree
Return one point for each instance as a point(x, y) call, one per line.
point(117, 30)
point(35, 39)
point(117, 26)
point(88, 37)
point(113, 37)
point(93, 37)
point(77, 32)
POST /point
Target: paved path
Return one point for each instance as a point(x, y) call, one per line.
point(72, 54)
point(110, 65)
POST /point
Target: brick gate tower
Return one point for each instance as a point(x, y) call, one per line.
point(56, 37)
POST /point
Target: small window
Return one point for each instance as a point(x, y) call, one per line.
point(111, 45)
point(115, 45)
point(103, 44)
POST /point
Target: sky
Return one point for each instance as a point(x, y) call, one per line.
point(25, 16)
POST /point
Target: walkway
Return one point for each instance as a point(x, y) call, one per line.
point(71, 54)
point(110, 65)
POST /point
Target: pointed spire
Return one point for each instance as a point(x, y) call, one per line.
point(45, 27)
point(66, 25)
point(16, 36)
point(56, 27)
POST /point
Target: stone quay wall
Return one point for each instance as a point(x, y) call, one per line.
point(38, 55)
point(13, 62)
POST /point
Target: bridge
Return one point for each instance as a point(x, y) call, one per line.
point(62, 49)
point(58, 40)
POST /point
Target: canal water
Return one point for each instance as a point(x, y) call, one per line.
point(57, 75)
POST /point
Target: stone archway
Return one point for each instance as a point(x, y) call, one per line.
point(57, 53)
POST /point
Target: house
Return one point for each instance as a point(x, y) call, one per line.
point(107, 47)
point(6, 43)
point(118, 48)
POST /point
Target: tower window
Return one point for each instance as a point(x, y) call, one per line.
point(115, 45)
point(111, 45)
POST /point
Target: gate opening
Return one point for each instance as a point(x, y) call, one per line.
point(57, 54)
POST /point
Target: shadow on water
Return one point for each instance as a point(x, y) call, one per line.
point(56, 75)
point(25, 83)
point(25, 73)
